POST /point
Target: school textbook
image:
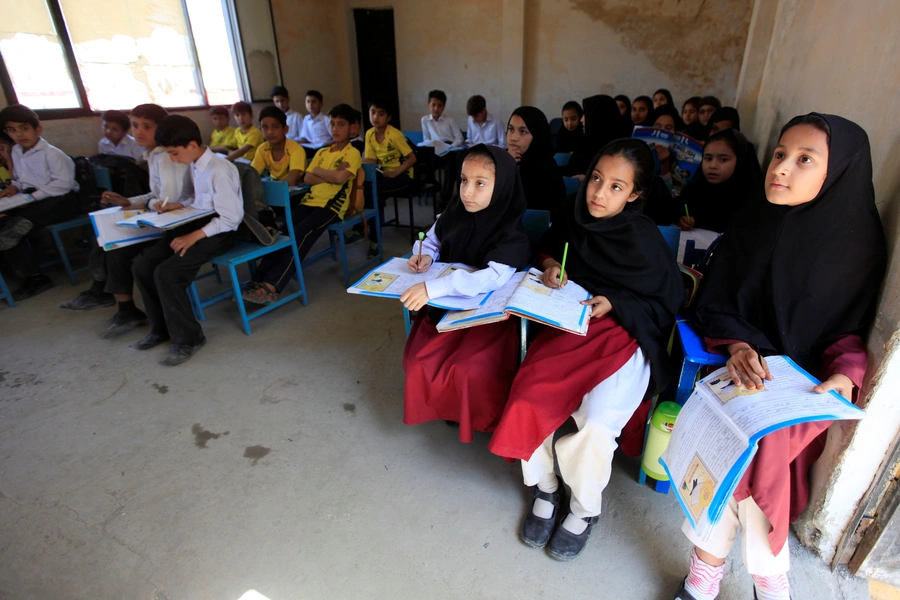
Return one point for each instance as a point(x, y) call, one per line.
point(110, 235)
point(15, 201)
point(687, 151)
point(167, 220)
point(526, 296)
point(440, 148)
point(718, 430)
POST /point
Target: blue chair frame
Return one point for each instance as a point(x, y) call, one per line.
point(337, 231)
point(5, 294)
point(276, 193)
point(416, 137)
point(572, 185)
point(55, 231)
point(562, 158)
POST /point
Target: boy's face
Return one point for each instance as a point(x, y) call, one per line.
point(113, 132)
point(244, 120)
point(184, 155)
point(340, 130)
point(220, 121)
point(273, 130)
point(313, 105)
point(143, 130)
point(282, 102)
point(378, 117)
point(571, 119)
point(436, 107)
point(24, 134)
point(481, 117)
point(354, 130)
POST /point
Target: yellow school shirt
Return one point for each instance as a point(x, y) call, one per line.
point(223, 138)
point(333, 196)
point(254, 137)
point(390, 153)
point(294, 159)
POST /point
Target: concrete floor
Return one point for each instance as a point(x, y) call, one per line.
point(279, 463)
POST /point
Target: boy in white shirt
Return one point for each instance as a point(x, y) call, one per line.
point(437, 126)
point(116, 140)
point(316, 129)
point(47, 176)
point(483, 128)
point(168, 267)
point(282, 100)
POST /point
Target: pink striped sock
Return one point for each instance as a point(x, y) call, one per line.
point(772, 587)
point(703, 579)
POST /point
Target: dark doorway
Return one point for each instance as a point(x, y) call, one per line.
point(377, 58)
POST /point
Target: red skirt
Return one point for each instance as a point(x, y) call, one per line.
point(461, 376)
point(559, 370)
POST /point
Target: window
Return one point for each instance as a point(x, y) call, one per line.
point(104, 54)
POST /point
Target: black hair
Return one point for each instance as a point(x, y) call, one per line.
point(382, 103)
point(221, 111)
point(315, 94)
point(19, 113)
point(5, 139)
point(817, 121)
point(667, 94)
point(342, 111)
point(279, 90)
point(623, 98)
point(118, 117)
point(669, 110)
point(646, 100)
point(727, 113)
point(151, 112)
point(710, 101)
point(572, 105)
point(242, 108)
point(177, 130)
point(437, 95)
point(640, 158)
point(357, 117)
point(481, 153)
point(693, 101)
point(724, 136)
point(273, 112)
point(475, 105)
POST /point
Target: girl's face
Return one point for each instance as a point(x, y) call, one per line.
point(799, 166)
point(610, 187)
point(518, 136)
point(719, 162)
point(639, 111)
point(720, 125)
point(622, 107)
point(659, 99)
point(571, 119)
point(705, 113)
point(476, 183)
point(689, 114)
point(665, 122)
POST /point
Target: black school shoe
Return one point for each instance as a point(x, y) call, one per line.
point(182, 353)
point(755, 597)
point(536, 531)
point(32, 286)
point(123, 322)
point(683, 594)
point(151, 340)
point(87, 300)
point(565, 545)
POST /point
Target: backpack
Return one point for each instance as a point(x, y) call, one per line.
point(88, 192)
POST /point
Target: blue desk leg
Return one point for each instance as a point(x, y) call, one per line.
point(406, 321)
point(686, 381)
point(63, 256)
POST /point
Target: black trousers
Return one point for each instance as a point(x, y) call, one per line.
point(309, 224)
point(22, 257)
point(163, 278)
point(97, 261)
point(118, 265)
point(387, 187)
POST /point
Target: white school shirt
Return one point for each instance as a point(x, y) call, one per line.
point(492, 133)
point(127, 147)
point(442, 130)
point(462, 283)
point(44, 167)
point(168, 179)
point(317, 130)
point(295, 125)
point(217, 185)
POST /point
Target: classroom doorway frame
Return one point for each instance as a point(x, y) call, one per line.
point(376, 55)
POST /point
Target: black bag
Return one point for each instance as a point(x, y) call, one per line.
point(88, 192)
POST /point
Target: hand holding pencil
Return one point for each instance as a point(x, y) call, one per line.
point(419, 263)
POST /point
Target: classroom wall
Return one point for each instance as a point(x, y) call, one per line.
point(835, 58)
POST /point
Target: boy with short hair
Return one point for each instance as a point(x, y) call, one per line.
point(167, 268)
point(285, 159)
point(331, 174)
point(437, 126)
point(47, 175)
point(356, 140)
point(247, 138)
point(315, 131)
point(282, 100)
point(483, 128)
point(222, 138)
point(387, 147)
point(116, 140)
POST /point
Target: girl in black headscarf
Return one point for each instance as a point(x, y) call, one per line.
point(602, 124)
point(624, 104)
point(642, 111)
point(663, 96)
point(729, 177)
point(726, 117)
point(599, 380)
point(665, 117)
point(571, 134)
point(797, 275)
point(691, 118)
point(528, 140)
point(465, 375)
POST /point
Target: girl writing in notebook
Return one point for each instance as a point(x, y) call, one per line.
point(795, 275)
point(600, 380)
point(464, 376)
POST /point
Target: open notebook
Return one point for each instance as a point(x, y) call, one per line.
point(527, 297)
point(166, 220)
point(15, 201)
point(110, 235)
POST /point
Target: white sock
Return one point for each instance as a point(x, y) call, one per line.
point(548, 484)
point(574, 524)
point(772, 587)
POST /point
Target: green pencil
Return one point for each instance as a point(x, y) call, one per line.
point(562, 267)
point(686, 212)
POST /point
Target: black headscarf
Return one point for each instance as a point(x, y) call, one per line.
point(602, 124)
point(667, 94)
point(646, 122)
point(626, 259)
point(495, 233)
point(541, 179)
point(569, 141)
point(626, 118)
point(792, 279)
point(659, 204)
point(726, 113)
point(666, 109)
point(695, 129)
point(713, 205)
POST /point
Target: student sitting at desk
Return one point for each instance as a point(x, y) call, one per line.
point(284, 159)
point(116, 140)
point(282, 100)
point(247, 138)
point(221, 141)
point(483, 128)
point(315, 131)
point(439, 127)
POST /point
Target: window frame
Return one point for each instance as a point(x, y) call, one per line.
point(237, 55)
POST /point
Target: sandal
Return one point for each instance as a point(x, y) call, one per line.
point(259, 294)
